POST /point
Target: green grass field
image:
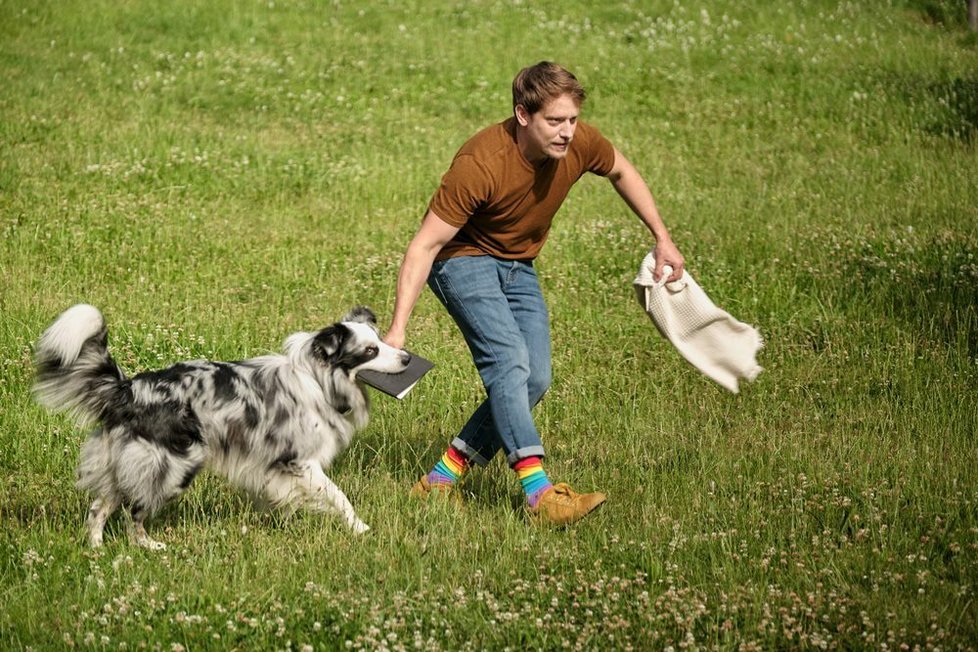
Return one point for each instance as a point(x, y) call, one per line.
point(216, 175)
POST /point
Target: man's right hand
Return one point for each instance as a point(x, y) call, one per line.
point(395, 337)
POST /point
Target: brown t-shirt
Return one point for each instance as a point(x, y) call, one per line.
point(503, 204)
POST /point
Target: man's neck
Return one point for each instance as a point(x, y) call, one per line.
point(533, 156)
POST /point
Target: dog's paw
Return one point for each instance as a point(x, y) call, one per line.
point(359, 527)
point(151, 544)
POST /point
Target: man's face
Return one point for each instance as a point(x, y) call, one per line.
point(548, 132)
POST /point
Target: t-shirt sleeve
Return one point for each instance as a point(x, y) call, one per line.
point(599, 153)
point(463, 189)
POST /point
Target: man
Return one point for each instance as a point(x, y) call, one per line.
point(475, 248)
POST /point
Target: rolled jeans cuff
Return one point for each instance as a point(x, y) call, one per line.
point(471, 454)
point(528, 451)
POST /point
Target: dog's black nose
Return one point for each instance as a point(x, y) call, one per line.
point(405, 358)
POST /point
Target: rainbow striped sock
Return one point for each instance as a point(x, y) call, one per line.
point(449, 469)
point(533, 478)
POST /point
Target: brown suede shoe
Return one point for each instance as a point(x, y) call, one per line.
point(561, 505)
point(423, 489)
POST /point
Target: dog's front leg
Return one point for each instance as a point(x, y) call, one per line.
point(303, 484)
point(326, 496)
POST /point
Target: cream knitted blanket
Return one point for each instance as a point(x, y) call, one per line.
point(709, 338)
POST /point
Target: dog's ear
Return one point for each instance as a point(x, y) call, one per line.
point(361, 314)
point(327, 342)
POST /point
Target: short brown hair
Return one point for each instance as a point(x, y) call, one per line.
point(537, 85)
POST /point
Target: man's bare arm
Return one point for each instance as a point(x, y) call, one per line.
point(434, 234)
point(633, 189)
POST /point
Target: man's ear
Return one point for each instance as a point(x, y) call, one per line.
point(522, 116)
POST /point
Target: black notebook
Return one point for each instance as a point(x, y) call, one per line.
point(399, 384)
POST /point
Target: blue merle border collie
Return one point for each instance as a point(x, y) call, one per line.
point(270, 424)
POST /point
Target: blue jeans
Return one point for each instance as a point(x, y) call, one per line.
point(499, 308)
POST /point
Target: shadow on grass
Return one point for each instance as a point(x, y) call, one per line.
point(959, 99)
point(930, 286)
point(946, 108)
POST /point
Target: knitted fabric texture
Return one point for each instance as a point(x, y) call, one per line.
point(721, 347)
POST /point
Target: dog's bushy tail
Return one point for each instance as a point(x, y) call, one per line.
point(74, 371)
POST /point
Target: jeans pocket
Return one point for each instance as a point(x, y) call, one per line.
point(437, 281)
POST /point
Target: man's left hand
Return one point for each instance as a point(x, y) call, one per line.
point(666, 253)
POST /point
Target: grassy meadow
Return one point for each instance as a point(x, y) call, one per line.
point(216, 175)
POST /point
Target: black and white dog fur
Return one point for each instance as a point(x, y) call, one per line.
point(270, 424)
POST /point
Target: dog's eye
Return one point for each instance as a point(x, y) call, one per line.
point(372, 351)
